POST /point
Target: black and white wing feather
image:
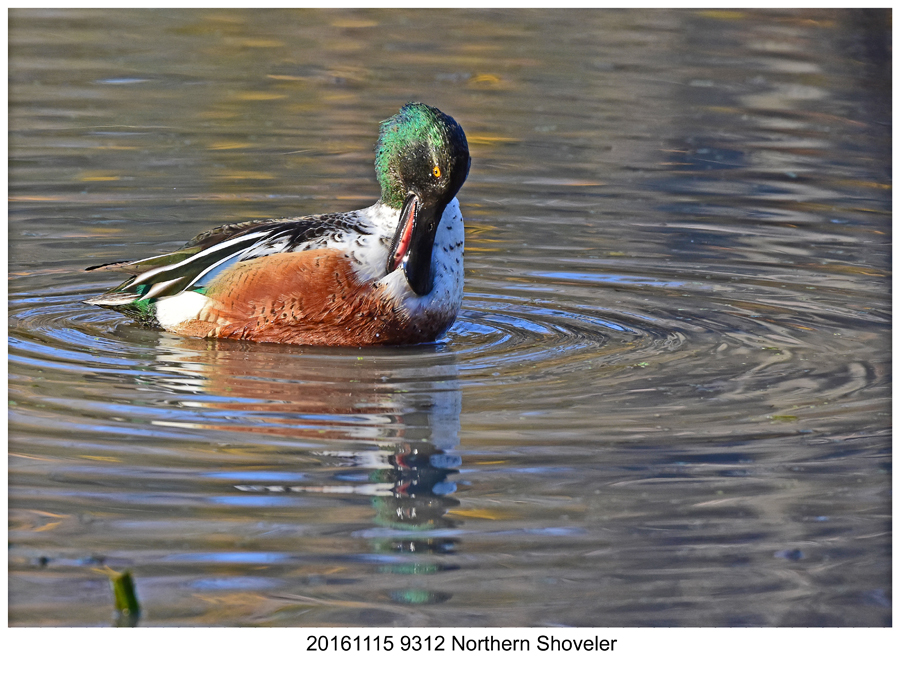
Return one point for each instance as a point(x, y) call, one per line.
point(211, 252)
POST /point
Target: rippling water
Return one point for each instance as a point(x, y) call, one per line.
point(666, 400)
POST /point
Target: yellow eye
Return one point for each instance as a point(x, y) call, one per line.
point(436, 171)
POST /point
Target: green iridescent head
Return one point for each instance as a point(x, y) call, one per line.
point(421, 150)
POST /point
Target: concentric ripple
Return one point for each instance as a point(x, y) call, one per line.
point(505, 335)
point(542, 328)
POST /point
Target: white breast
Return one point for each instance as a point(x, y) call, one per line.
point(447, 267)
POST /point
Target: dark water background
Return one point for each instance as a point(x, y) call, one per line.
point(666, 401)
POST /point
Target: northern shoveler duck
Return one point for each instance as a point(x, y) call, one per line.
point(391, 273)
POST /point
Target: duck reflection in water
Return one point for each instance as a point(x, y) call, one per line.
point(383, 423)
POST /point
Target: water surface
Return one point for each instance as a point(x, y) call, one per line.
point(666, 401)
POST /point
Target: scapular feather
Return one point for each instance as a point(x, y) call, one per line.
point(199, 260)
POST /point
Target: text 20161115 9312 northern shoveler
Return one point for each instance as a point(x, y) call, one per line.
point(391, 273)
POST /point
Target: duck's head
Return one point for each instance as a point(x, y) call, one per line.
point(422, 160)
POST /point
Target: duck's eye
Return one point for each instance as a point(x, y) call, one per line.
point(436, 171)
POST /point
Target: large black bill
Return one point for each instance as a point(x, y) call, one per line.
point(414, 242)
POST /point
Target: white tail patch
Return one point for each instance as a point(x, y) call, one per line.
point(175, 310)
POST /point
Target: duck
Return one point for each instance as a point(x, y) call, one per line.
point(389, 274)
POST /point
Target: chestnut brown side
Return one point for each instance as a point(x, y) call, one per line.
point(307, 298)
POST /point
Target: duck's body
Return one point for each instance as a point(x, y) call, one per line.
point(388, 274)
